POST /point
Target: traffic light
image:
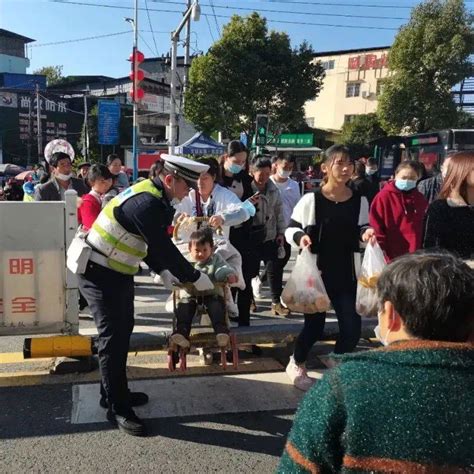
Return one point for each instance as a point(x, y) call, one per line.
point(136, 75)
point(261, 130)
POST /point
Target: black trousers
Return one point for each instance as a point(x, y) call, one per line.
point(342, 296)
point(110, 296)
point(186, 309)
point(274, 269)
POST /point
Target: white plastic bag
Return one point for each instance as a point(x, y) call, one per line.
point(304, 291)
point(372, 266)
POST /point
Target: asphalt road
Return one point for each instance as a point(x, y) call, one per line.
point(243, 420)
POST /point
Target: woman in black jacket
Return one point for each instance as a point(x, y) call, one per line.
point(330, 221)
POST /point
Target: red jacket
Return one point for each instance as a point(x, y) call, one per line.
point(397, 218)
point(89, 210)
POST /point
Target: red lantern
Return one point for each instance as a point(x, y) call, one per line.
point(136, 75)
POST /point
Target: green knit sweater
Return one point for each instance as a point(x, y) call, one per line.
point(405, 408)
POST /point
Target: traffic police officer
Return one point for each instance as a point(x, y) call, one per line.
point(131, 228)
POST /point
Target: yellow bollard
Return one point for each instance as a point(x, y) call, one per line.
point(57, 346)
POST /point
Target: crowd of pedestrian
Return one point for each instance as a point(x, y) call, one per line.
point(259, 208)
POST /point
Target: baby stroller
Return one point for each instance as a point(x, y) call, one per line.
point(202, 333)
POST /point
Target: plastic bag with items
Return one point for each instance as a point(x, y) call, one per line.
point(304, 291)
point(372, 266)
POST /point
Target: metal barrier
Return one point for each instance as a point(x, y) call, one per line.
point(38, 295)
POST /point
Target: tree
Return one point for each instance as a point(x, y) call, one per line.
point(362, 130)
point(251, 70)
point(54, 74)
point(429, 57)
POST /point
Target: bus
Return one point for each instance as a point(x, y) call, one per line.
point(429, 148)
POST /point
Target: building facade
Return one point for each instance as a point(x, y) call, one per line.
point(12, 52)
point(353, 82)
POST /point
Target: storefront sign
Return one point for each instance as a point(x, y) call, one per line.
point(368, 61)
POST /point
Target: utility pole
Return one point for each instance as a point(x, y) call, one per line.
point(86, 126)
point(38, 119)
point(194, 11)
point(30, 133)
point(135, 98)
point(186, 58)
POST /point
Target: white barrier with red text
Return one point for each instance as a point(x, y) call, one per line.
point(38, 294)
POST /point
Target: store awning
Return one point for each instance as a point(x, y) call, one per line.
point(200, 144)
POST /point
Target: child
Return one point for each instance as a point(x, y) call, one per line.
point(201, 249)
point(100, 181)
point(398, 212)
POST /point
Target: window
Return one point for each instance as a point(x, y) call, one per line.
point(380, 85)
point(349, 118)
point(353, 89)
point(328, 64)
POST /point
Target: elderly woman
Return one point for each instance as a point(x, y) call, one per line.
point(406, 407)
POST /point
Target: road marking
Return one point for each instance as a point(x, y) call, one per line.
point(17, 357)
point(191, 396)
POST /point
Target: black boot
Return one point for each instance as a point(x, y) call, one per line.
point(128, 422)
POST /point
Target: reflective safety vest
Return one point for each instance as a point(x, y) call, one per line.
point(123, 250)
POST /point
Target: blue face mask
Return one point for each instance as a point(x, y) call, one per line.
point(405, 184)
point(234, 168)
point(370, 172)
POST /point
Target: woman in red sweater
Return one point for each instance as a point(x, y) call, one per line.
point(397, 213)
point(100, 180)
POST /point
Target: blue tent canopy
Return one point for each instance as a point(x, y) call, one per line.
point(200, 144)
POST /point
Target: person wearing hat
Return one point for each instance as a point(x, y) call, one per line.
point(131, 228)
point(83, 171)
point(61, 180)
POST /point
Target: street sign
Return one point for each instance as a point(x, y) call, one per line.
point(109, 120)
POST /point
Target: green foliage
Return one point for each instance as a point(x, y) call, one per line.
point(429, 56)
point(251, 70)
point(54, 74)
point(362, 130)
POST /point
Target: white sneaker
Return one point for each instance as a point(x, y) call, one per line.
point(298, 375)
point(157, 279)
point(180, 341)
point(256, 287)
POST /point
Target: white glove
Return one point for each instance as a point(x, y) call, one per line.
point(203, 283)
point(168, 279)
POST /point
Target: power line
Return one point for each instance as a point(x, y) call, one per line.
point(210, 29)
point(147, 45)
point(228, 17)
point(269, 10)
point(357, 5)
point(151, 26)
point(215, 18)
point(79, 39)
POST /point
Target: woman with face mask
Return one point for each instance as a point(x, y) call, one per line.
point(234, 176)
point(450, 219)
point(397, 213)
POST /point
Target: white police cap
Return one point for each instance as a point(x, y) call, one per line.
point(183, 167)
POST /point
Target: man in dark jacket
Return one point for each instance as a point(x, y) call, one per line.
point(406, 407)
point(431, 187)
point(61, 180)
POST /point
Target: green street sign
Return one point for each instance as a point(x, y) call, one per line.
point(302, 140)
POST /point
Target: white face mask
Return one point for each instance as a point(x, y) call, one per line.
point(384, 340)
point(64, 177)
point(283, 174)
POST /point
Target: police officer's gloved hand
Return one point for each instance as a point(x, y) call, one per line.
point(203, 283)
point(168, 279)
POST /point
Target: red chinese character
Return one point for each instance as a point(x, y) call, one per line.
point(370, 61)
point(354, 62)
point(1, 305)
point(21, 266)
point(384, 60)
point(23, 304)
